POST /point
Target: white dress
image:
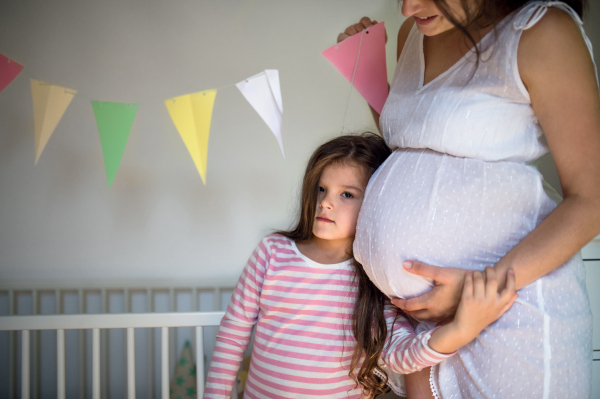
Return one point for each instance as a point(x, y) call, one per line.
point(460, 190)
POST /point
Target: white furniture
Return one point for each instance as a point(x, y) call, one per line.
point(95, 344)
point(95, 322)
point(591, 257)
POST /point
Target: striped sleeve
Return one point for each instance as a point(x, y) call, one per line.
point(237, 325)
point(406, 351)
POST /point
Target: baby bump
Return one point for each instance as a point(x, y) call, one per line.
point(446, 211)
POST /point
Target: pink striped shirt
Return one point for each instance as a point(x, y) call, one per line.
point(303, 341)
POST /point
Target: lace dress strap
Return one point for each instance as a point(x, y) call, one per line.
point(532, 12)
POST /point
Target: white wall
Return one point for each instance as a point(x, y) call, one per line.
point(59, 220)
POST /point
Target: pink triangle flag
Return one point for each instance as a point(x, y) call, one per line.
point(370, 78)
point(8, 71)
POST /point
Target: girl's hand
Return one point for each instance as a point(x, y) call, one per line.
point(481, 304)
point(441, 302)
point(364, 23)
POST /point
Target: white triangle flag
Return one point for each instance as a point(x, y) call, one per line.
point(263, 92)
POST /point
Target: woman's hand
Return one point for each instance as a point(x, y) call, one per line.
point(441, 302)
point(480, 305)
point(364, 23)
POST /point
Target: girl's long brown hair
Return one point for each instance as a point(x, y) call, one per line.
point(368, 151)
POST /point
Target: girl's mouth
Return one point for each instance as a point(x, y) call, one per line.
point(424, 20)
point(324, 219)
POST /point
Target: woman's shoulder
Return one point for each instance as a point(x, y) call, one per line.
point(553, 37)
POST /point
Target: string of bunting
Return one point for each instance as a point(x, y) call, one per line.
point(191, 114)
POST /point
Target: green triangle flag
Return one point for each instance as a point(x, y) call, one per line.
point(114, 122)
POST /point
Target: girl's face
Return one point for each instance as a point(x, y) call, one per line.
point(341, 192)
point(428, 17)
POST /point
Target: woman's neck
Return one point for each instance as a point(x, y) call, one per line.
point(326, 251)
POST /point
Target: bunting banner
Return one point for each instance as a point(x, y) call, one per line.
point(114, 122)
point(361, 60)
point(263, 92)
point(192, 114)
point(49, 104)
point(8, 71)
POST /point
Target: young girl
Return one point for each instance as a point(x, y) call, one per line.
point(299, 289)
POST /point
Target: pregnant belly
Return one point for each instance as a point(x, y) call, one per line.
point(445, 211)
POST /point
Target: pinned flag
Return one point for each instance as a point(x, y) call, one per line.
point(361, 60)
point(263, 92)
point(49, 104)
point(8, 71)
point(192, 114)
point(114, 122)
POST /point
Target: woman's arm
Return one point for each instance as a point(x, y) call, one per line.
point(556, 67)
point(364, 23)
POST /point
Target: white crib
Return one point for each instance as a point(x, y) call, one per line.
point(177, 305)
point(184, 304)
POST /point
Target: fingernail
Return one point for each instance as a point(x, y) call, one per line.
point(407, 264)
point(511, 271)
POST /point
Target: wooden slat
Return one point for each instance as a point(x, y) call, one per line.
point(110, 320)
point(200, 361)
point(150, 346)
point(35, 348)
point(104, 363)
point(60, 364)
point(95, 363)
point(25, 369)
point(12, 342)
point(164, 362)
point(130, 363)
point(173, 336)
point(82, 366)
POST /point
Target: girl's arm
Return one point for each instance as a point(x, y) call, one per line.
point(480, 305)
point(556, 67)
point(405, 351)
point(237, 325)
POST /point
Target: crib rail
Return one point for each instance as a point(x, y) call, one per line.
point(98, 299)
point(95, 322)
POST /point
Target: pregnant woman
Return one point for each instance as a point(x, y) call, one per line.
point(467, 123)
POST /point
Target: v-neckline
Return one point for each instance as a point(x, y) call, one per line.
point(460, 61)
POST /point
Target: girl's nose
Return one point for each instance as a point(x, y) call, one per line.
point(411, 7)
point(326, 203)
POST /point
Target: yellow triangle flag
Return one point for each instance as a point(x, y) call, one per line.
point(49, 104)
point(192, 114)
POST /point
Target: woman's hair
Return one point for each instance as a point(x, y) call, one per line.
point(367, 150)
point(486, 12)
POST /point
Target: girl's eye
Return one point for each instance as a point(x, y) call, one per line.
point(347, 195)
point(321, 189)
